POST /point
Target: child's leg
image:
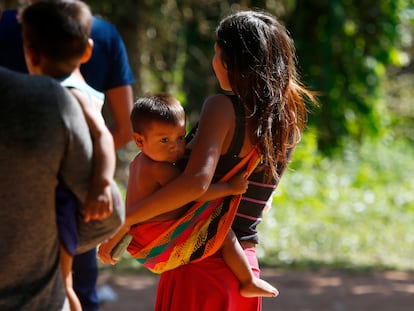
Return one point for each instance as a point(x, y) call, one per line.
point(66, 261)
point(235, 258)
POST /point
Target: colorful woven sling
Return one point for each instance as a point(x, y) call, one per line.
point(197, 234)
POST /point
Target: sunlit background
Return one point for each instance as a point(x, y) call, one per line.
point(347, 199)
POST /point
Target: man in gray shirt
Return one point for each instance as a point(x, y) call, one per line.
point(43, 138)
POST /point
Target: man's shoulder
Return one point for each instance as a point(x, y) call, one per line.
point(30, 90)
point(10, 78)
point(102, 28)
point(9, 18)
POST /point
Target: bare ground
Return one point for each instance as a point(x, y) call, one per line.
point(325, 290)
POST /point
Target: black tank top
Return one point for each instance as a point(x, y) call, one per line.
point(250, 210)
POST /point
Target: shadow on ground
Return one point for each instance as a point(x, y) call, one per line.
point(327, 290)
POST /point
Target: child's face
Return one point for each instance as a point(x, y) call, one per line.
point(220, 70)
point(164, 142)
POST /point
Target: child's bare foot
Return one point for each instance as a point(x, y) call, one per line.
point(258, 288)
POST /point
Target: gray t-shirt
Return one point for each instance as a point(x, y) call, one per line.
point(43, 136)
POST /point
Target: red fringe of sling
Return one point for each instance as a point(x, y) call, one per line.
point(199, 233)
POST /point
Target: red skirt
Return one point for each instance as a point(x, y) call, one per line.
point(205, 286)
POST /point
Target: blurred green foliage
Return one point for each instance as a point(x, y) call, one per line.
point(344, 49)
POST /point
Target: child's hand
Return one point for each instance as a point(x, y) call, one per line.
point(238, 183)
point(268, 205)
point(105, 249)
point(104, 252)
point(98, 205)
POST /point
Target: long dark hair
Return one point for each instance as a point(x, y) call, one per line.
point(260, 59)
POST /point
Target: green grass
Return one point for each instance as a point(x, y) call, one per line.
point(352, 211)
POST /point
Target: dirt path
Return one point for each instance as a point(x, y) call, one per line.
point(299, 291)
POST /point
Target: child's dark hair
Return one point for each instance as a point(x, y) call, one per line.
point(260, 59)
point(58, 29)
point(161, 107)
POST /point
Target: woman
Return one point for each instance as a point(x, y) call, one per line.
point(255, 61)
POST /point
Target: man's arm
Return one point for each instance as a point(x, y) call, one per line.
point(120, 102)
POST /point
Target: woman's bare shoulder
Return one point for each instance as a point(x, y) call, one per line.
point(218, 106)
point(217, 99)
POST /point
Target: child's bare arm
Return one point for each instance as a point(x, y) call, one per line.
point(236, 185)
point(145, 177)
point(105, 249)
point(99, 201)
